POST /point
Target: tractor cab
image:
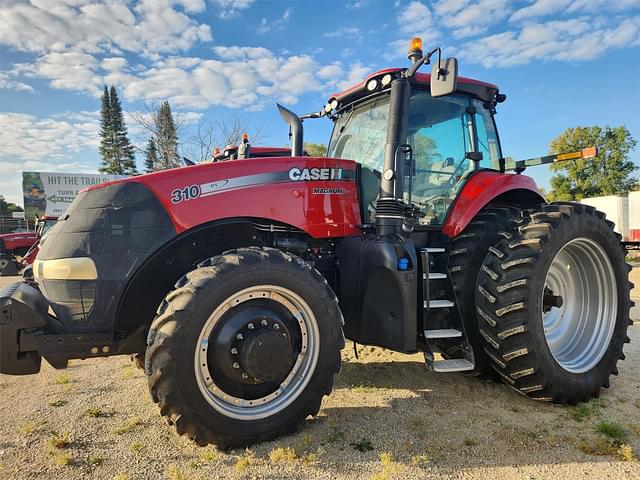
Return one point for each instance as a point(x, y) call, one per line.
point(448, 138)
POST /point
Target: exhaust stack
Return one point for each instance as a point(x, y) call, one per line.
point(296, 129)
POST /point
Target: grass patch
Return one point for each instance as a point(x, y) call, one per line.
point(362, 445)
point(128, 426)
point(59, 440)
point(31, 427)
point(173, 472)
point(63, 379)
point(128, 372)
point(57, 403)
point(248, 459)
point(283, 455)
point(136, 447)
point(469, 442)
point(311, 458)
point(635, 428)
point(390, 468)
point(95, 412)
point(120, 476)
point(585, 411)
point(62, 459)
point(611, 429)
point(95, 460)
point(366, 387)
point(420, 460)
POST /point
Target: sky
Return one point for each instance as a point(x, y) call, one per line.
point(561, 63)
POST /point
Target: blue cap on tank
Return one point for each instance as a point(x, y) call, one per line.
point(403, 264)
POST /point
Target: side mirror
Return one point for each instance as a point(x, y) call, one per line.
point(444, 77)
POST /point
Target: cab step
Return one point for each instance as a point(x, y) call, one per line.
point(443, 333)
point(434, 276)
point(451, 365)
point(438, 304)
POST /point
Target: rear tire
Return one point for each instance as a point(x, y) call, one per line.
point(553, 304)
point(209, 401)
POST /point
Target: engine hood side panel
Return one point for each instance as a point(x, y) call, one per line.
point(316, 195)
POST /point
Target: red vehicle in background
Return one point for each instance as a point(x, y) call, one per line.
point(42, 227)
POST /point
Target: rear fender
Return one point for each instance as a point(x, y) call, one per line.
point(485, 187)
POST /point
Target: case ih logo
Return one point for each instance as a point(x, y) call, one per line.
point(299, 175)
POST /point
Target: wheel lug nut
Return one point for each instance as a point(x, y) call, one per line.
point(236, 365)
point(234, 351)
point(240, 336)
point(276, 326)
point(263, 323)
point(244, 375)
point(250, 326)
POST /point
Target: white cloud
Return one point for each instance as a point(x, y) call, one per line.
point(563, 40)
point(278, 24)
point(469, 18)
point(230, 8)
point(6, 83)
point(601, 6)
point(150, 27)
point(540, 8)
point(344, 32)
point(414, 18)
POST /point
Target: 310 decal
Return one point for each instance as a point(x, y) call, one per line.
point(186, 193)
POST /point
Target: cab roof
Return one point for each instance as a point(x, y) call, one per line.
point(482, 90)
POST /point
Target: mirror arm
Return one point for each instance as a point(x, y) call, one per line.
point(425, 60)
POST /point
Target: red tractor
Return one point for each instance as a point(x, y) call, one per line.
point(236, 282)
point(13, 245)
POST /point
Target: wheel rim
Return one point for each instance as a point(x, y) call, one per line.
point(215, 389)
point(579, 305)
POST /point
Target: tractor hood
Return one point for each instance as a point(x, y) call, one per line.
point(277, 188)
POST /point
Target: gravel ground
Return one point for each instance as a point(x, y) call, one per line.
point(433, 425)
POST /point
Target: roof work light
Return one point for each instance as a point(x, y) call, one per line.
point(415, 49)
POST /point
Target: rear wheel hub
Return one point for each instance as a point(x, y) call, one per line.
point(266, 355)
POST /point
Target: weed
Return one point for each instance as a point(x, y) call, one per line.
point(366, 387)
point(136, 447)
point(120, 476)
point(420, 460)
point(635, 428)
point(603, 446)
point(31, 427)
point(390, 468)
point(128, 373)
point(209, 455)
point(57, 403)
point(611, 429)
point(95, 460)
point(305, 442)
point(470, 442)
point(59, 440)
point(129, 425)
point(625, 452)
point(174, 473)
point(362, 445)
point(63, 379)
point(283, 455)
point(62, 459)
point(310, 458)
point(248, 459)
point(335, 435)
point(94, 412)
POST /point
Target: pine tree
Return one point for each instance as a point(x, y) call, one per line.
point(106, 141)
point(151, 160)
point(118, 156)
point(167, 139)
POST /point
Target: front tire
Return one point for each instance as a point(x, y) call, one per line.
point(553, 304)
point(244, 348)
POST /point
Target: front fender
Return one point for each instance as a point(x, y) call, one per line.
point(486, 186)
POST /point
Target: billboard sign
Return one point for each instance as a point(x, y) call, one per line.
point(51, 193)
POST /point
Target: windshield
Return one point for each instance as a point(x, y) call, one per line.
point(440, 131)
